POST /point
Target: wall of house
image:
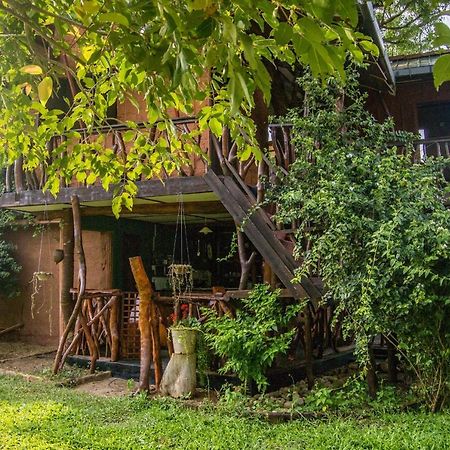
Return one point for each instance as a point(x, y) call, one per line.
point(403, 107)
point(98, 253)
point(39, 313)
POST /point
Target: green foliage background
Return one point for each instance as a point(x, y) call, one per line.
point(9, 268)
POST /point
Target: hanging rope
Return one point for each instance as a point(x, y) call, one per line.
point(180, 272)
point(37, 281)
point(181, 225)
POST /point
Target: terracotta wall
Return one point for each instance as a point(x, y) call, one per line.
point(43, 325)
point(403, 106)
point(98, 253)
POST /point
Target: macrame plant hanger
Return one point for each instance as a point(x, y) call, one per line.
point(180, 271)
point(40, 277)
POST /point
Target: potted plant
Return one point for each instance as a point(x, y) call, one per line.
point(184, 335)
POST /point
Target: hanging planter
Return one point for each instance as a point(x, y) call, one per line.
point(41, 276)
point(36, 282)
point(181, 279)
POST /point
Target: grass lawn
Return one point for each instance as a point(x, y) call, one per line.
point(40, 416)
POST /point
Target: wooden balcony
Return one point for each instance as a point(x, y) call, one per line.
point(220, 154)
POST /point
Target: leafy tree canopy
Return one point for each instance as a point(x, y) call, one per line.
point(407, 25)
point(176, 54)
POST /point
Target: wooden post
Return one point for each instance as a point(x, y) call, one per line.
point(77, 310)
point(392, 359)
point(114, 328)
point(66, 303)
point(18, 174)
point(308, 348)
point(372, 380)
point(148, 326)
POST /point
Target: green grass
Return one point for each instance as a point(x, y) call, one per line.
point(41, 416)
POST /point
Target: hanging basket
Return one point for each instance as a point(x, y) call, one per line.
point(184, 340)
point(180, 269)
point(42, 276)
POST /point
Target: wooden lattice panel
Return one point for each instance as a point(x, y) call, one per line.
point(129, 327)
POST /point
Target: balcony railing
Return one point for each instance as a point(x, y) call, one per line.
point(220, 153)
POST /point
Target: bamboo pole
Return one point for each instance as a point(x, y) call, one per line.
point(148, 326)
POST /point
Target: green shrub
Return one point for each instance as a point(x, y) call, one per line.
point(9, 268)
point(250, 342)
point(377, 227)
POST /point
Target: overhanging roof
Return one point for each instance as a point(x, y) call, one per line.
point(380, 74)
point(414, 66)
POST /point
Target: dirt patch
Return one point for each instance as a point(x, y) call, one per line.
point(17, 349)
point(111, 387)
point(33, 365)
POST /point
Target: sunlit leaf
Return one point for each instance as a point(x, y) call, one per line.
point(45, 88)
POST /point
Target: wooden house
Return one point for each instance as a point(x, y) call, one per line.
point(203, 200)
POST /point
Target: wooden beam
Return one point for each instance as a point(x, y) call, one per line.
point(150, 188)
point(208, 207)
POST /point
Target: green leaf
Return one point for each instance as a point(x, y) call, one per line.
point(311, 30)
point(441, 70)
point(347, 10)
point(442, 35)
point(114, 17)
point(31, 69)
point(229, 30)
point(206, 28)
point(215, 126)
point(370, 47)
point(129, 135)
point(45, 88)
point(283, 34)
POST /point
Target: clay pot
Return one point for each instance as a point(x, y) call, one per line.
point(58, 255)
point(184, 340)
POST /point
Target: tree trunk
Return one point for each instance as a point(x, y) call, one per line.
point(148, 326)
point(66, 270)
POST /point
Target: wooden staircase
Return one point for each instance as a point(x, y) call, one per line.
point(241, 204)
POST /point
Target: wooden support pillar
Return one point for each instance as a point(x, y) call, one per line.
point(372, 380)
point(19, 175)
point(66, 303)
point(77, 312)
point(392, 360)
point(308, 348)
point(148, 326)
point(114, 327)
